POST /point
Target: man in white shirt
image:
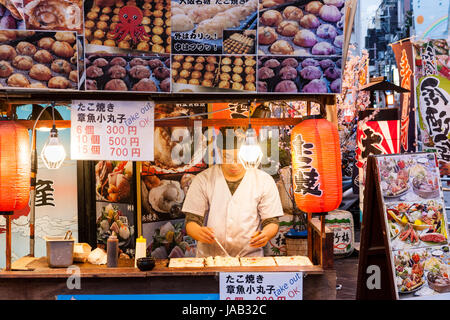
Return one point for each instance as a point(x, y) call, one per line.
point(237, 206)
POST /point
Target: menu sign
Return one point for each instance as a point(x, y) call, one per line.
point(261, 286)
point(416, 223)
point(112, 130)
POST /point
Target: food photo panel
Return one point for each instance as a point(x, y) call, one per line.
point(204, 28)
point(39, 60)
point(213, 73)
point(282, 74)
point(142, 25)
point(12, 15)
point(301, 28)
point(128, 72)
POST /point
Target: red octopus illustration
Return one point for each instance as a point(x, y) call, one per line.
point(130, 23)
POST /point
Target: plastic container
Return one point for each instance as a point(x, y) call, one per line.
point(59, 251)
point(141, 249)
point(112, 251)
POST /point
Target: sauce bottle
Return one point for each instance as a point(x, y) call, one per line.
point(141, 249)
point(112, 251)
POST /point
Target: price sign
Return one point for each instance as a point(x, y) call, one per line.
point(261, 286)
point(112, 130)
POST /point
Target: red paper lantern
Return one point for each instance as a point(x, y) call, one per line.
point(15, 166)
point(316, 166)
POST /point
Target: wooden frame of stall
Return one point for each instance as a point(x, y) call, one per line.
point(320, 239)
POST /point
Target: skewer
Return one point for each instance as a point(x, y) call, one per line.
point(221, 247)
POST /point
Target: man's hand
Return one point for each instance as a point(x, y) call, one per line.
point(260, 238)
point(200, 233)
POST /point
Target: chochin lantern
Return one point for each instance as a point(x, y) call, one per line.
point(316, 166)
point(15, 166)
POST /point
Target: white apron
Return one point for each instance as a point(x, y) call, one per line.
point(234, 218)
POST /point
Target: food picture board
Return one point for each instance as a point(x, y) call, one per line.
point(416, 224)
point(174, 46)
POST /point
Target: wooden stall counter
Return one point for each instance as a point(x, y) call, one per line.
point(35, 280)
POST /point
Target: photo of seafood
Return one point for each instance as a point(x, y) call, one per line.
point(126, 72)
point(54, 15)
point(39, 60)
point(117, 218)
point(312, 28)
point(199, 29)
point(283, 74)
point(422, 272)
point(11, 13)
point(411, 178)
point(113, 181)
point(107, 25)
point(414, 225)
point(213, 74)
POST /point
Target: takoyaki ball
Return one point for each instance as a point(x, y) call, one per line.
point(124, 44)
point(194, 82)
point(158, 23)
point(250, 78)
point(185, 74)
point(109, 43)
point(146, 20)
point(138, 62)
point(226, 68)
point(113, 26)
point(198, 66)
point(182, 81)
point(250, 62)
point(238, 69)
point(89, 24)
point(18, 80)
point(226, 61)
point(208, 75)
point(73, 76)
point(116, 85)
point(187, 65)
point(178, 57)
point(104, 17)
point(99, 34)
point(143, 46)
point(238, 62)
point(92, 15)
point(156, 39)
point(167, 62)
point(94, 72)
point(210, 67)
point(22, 62)
point(40, 72)
point(158, 48)
point(118, 61)
point(207, 83)
point(168, 15)
point(237, 86)
point(211, 59)
point(62, 49)
point(139, 72)
point(25, 48)
point(225, 77)
point(37, 85)
point(250, 86)
point(117, 72)
point(154, 63)
point(106, 10)
point(116, 11)
point(66, 36)
point(145, 85)
point(102, 25)
point(87, 33)
point(96, 42)
point(99, 62)
point(249, 70)
point(147, 6)
point(236, 78)
point(120, 4)
point(46, 43)
point(61, 66)
point(224, 84)
point(174, 73)
point(91, 84)
point(168, 33)
point(196, 74)
point(58, 83)
point(176, 65)
point(5, 69)
point(189, 59)
point(95, 9)
point(161, 73)
point(165, 85)
point(43, 56)
point(147, 12)
point(168, 49)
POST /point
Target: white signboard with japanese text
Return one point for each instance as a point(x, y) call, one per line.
point(261, 285)
point(112, 130)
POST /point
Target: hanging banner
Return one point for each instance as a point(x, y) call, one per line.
point(404, 57)
point(431, 18)
point(434, 115)
point(112, 130)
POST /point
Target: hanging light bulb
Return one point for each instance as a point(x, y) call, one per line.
point(250, 153)
point(53, 153)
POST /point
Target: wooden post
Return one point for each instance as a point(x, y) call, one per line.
point(8, 239)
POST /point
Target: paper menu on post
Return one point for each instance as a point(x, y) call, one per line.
point(112, 130)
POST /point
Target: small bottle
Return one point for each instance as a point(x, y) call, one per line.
point(141, 249)
point(112, 251)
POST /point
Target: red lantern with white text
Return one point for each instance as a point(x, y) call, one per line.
point(15, 166)
point(316, 165)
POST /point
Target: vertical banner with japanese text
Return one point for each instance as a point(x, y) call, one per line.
point(404, 57)
point(112, 130)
